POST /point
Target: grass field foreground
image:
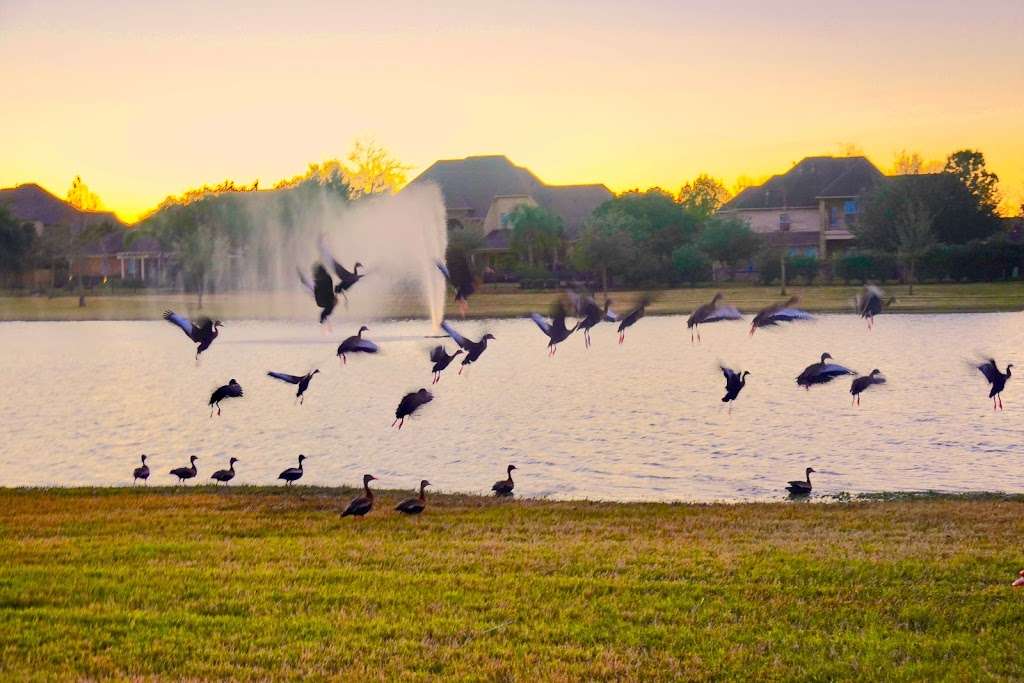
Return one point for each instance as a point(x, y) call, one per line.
point(250, 583)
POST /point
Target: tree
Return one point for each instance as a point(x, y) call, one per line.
point(911, 163)
point(373, 170)
point(914, 236)
point(81, 197)
point(703, 196)
point(16, 241)
point(691, 264)
point(728, 240)
point(606, 244)
point(536, 232)
point(969, 166)
point(661, 225)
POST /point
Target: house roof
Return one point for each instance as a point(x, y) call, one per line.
point(498, 239)
point(30, 202)
point(807, 181)
point(474, 182)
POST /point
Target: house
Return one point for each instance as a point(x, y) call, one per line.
point(810, 208)
point(480, 192)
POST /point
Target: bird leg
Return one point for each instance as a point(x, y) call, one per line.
point(461, 369)
point(395, 422)
point(1000, 397)
point(218, 410)
point(401, 423)
point(463, 307)
point(622, 337)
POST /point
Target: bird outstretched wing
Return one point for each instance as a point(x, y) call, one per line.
point(458, 338)
point(365, 345)
point(305, 281)
point(787, 314)
point(723, 313)
point(328, 258)
point(989, 370)
point(543, 324)
point(437, 354)
point(184, 323)
point(234, 390)
point(291, 379)
point(444, 270)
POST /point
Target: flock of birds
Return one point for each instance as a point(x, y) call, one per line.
point(587, 312)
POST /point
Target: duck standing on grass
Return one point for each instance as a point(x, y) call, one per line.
point(224, 476)
point(183, 473)
point(141, 472)
point(801, 488)
point(414, 506)
point(230, 390)
point(302, 381)
point(503, 487)
point(292, 474)
point(364, 503)
point(862, 384)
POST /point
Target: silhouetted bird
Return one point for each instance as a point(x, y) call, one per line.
point(322, 289)
point(503, 487)
point(364, 503)
point(346, 279)
point(590, 313)
point(302, 381)
point(409, 404)
point(460, 277)
point(356, 344)
point(473, 349)
point(783, 312)
point(861, 384)
point(440, 358)
point(556, 331)
point(141, 472)
point(230, 390)
point(822, 372)
point(710, 312)
point(630, 318)
point(292, 474)
point(203, 331)
point(183, 473)
point(224, 476)
point(801, 488)
point(997, 380)
point(870, 303)
point(734, 383)
point(414, 506)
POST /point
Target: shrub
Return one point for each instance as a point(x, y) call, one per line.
point(691, 264)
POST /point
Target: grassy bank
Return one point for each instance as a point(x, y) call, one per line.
point(936, 298)
point(257, 583)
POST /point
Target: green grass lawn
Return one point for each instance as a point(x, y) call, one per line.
point(997, 296)
point(251, 583)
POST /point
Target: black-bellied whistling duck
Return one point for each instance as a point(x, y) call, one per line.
point(996, 379)
point(322, 289)
point(801, 488)
point(503, 487)
point(870, 303)
point(346, 278)
point(555, 331)
point(783, 312)
point(356, 344)
point(861, 384)
point(590, 313)
point(203, 331)
point(230, 390)
point(632, 317)
point(462, 280)
point(734, 383)
point(414, 506)
point(224, 476)
point(440, 358)
point(710, 312)
point(821, 372)
point(183, 473)
point(409, 404)
point(473, 349)
point(141, 472)
point(364, 503)
point(292, 474)
point(303, 382)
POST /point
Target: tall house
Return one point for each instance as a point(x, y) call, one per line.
point(810, 208)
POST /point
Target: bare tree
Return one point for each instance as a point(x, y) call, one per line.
point(914, 236)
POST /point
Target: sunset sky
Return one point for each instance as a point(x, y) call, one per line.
point(148, 99)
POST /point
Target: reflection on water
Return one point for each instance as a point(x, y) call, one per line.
point(641, 421)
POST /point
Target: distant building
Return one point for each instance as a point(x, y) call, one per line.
point(480, 193)
point(809, 209)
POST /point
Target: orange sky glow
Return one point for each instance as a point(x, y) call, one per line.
point(149, 100)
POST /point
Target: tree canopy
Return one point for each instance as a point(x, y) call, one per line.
point(536, 232)
point(703, 196)
point(16, 242)
point(969, 166)
point(728, 240)
point(606, 245)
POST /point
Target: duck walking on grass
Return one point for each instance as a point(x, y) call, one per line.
point(503, 487)
point(821, 372)
point(473, 349)
point(224, 476)
point(364, 503)
point(292, 474)
point(734, 383)
point(356, 344)
point(711, 312)
point(862, 384)
point(302, 381)
point(414, 506)
point(997, 380)
point(556, 331)
point(801, 488)
point(786, 311)
point(409, 404)
point(141, 472)
point(230, 390)
point(203, 331)
point(440, 358)
point(183, 473)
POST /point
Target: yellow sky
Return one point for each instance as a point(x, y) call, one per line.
point(148, 101)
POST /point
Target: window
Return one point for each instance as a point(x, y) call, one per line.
point(833, 216)
point(784, 223)
point(850, 207)
point(132, 267)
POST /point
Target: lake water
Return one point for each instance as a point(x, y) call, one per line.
point(641, 421)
